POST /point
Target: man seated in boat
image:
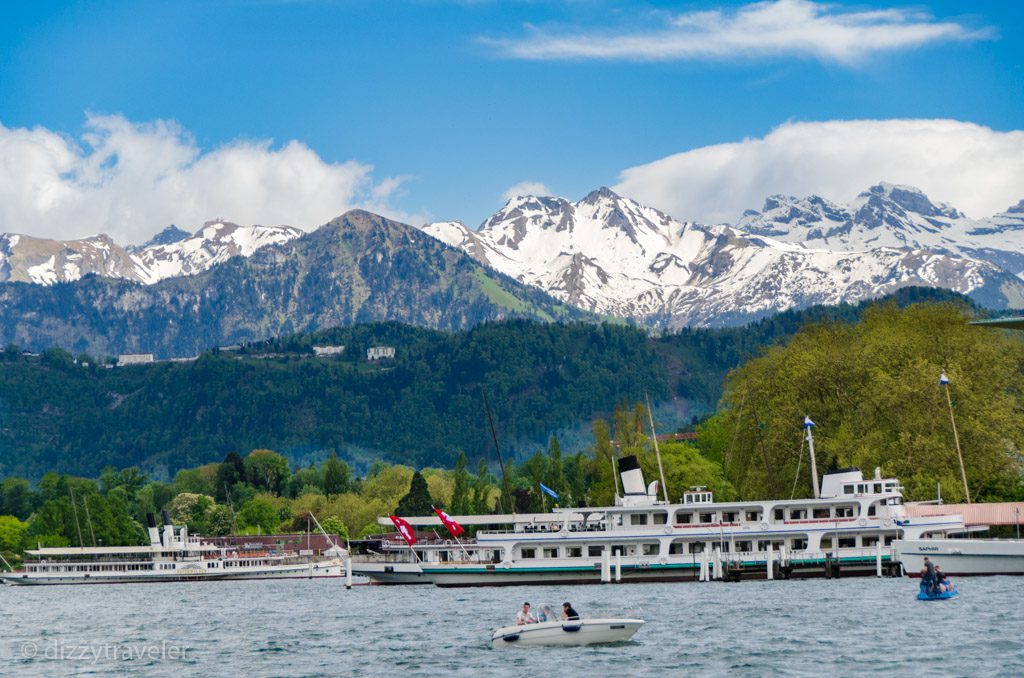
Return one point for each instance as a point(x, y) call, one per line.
point(944, 585)
point(568, 612)
point(525, 616)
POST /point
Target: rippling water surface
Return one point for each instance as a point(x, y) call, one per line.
point(308, 627)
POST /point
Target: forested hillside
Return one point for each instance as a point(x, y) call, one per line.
point(422, 408)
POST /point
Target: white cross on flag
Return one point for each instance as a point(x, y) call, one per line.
point(404, 529)
point(452, 526)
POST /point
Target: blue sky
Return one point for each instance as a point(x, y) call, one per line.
point(445, 99)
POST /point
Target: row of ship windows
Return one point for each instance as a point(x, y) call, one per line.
point(127, 567)
point(779, 514)
point(868, 488)
point(680, 548)
point(133, 567)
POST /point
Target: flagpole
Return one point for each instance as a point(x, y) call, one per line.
point(451, 532)
point(944, 381)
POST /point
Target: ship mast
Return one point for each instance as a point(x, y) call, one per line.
point(657, 453)
point(809, 426)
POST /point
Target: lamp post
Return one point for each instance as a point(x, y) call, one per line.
point(944, 381)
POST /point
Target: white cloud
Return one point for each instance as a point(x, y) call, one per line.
point(976, 169)
point(130, 180)
point(798, 28)
point(525, 188)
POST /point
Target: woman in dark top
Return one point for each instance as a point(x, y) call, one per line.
point(568, 612)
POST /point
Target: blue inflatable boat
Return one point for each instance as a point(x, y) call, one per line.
point(923, 594)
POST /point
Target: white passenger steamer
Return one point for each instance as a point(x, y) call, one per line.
point(848, 530)
point(174, 555)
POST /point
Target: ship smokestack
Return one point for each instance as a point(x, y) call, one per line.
point(632, 477)
point(154, 534)
point(168, 532)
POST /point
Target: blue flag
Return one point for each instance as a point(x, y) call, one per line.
point(943, 379)
point(548, 491)
point(807, 422)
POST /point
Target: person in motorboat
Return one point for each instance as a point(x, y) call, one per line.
point(568, 612)
point(547, 614)
point(944, 584)
point(525, 616)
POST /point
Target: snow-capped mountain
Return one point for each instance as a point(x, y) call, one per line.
point(612, 255)
point(170, 253)
point(888, 215)
point(39, 260)
point(215, 242)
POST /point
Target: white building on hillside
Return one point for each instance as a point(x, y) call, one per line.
point(380, 352)
point(134, 358)
point(326, 351)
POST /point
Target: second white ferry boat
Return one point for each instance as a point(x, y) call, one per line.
point(849, 529)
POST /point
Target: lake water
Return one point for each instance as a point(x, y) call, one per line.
point(315, 627)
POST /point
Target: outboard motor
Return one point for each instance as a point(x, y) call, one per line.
point(154, 533)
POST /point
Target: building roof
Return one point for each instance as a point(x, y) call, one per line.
point(1011, 323)
point(1004, 513)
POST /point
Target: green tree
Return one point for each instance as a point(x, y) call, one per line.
point(230, 472)
point(337, 475)
point(267, 470)
point(334, 526)
point(13, 536)
point(304, 481)
point(259, 514)
point(417, 502)
point(872, 388)
point(460, 504)
point(132, 480)
point(482, 489)
point(220, 520)
point(556, 472)
point(191, 509)
point(17, 498)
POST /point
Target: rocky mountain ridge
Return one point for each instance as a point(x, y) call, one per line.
point(611, 255)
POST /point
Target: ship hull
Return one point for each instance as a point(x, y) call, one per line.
point(391, 574)
point(809, 568)
point(284, 572)
point(963, 557)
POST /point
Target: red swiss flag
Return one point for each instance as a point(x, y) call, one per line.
point(452, 526)
point(405, 529)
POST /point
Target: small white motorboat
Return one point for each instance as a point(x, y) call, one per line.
point(567, 632)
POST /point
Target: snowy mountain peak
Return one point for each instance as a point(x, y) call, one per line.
point(603, 193)
point(167, 236)
point(612, 255)
point(908, 198)
point(172, 252)
point(216, 241)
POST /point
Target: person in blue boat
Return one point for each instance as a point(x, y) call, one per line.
point(568, 612)
point(928, 581)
